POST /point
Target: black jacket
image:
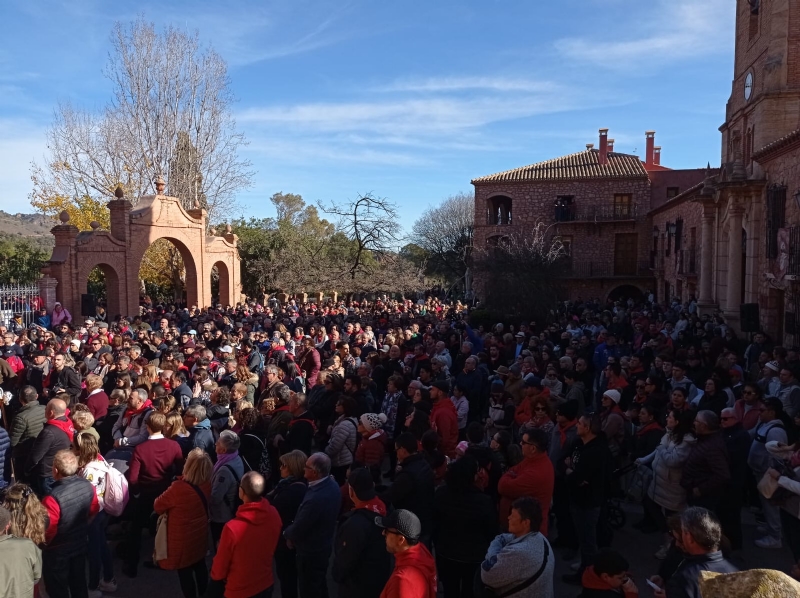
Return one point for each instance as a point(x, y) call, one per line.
point(74, 496)
point(105, 427)
point(413, 489)
point(490, 461)
point(707, 468)
point(361, 565)
point(465, 523)
point(68, 381)
point(589, 481)
point(49, 441)
point(300, 434)
point(737, 441)
point(286, 498)
point(685, 582)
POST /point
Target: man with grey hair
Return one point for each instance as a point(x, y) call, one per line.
point(706, 472)
point(198, 425)
point(443, 354)
point(700, 535)
point(311, 533)
point(300, 434)
point(228, 471)
point(131, 427)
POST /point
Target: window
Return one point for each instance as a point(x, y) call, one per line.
point(776, 217)
point(566, 241)
point(623, 205)
point(668, 239)
point(678, 234)
point(673, 192)
point(499, 210)
point(565, 210)
point(625, 252)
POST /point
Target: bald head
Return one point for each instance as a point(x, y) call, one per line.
point(56, 408)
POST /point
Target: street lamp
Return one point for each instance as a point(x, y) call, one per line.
point(672, 227)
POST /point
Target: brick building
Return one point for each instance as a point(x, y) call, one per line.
point(729, 236)
point(597, 202)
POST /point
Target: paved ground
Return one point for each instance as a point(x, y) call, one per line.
point(637, 547)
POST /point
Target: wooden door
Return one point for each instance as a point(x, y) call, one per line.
point(625, 253)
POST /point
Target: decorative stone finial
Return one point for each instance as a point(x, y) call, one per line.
point(212, 231)
point(228, 229)
point(94, 224)
point(119, 193)
point(64, 217)
point(160, 184)
point(196, 205)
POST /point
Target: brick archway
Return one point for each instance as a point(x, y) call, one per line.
point(119, 252)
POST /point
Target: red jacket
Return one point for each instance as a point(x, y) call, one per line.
point(187, 524)
point(532, 477)
point(750, 419)
point(444, 419)
point(414, 574)
point(371, 450)
point(244, 555)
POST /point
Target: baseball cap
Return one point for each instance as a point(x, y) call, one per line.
point(405, 522)
point(385, 348)
point(226, 349)
point(532, 381)
point(360, 480)
point(520, 335)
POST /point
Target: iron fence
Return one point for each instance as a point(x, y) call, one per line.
point(19, 299)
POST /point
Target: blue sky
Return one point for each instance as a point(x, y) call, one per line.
point(408, 100)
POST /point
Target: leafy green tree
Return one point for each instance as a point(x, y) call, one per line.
point(20, 261)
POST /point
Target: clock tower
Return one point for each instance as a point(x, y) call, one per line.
point(765, 98)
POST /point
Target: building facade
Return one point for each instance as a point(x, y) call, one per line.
point(728, 236)
point(597, 202)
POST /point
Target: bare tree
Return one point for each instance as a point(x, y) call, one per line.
point(170, 114)
point(371, 224)
point(517, 275)
point(445, 233)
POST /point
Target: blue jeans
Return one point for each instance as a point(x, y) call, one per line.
point(585, 520)
point(99, 553)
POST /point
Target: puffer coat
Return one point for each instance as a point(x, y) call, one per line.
point(342, 445)
point(187, 524)
point(667, 462)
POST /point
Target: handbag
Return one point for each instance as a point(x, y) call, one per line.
point(160, 547)
point(481, 590)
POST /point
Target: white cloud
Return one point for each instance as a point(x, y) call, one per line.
point(451, 84)
point(673, 30)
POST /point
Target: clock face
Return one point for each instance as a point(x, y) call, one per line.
point(748, 86)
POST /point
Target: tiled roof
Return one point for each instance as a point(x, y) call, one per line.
point(778, 144)
point(582, 165)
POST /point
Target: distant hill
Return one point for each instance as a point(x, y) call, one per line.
point(33, 227)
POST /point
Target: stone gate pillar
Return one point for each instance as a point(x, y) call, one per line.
point(47, 291)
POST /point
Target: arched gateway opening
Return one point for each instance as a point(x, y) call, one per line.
point(156, 232)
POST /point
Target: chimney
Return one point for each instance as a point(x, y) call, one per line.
point(589, 146)
point(650, 139)
point(602, 157)
point(610, 145)
point(657, 155)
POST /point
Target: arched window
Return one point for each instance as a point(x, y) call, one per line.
point(499, 210)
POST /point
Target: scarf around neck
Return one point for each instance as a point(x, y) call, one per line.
point(224, 459)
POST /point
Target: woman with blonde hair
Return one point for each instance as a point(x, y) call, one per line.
point(150, 373)
point(244, 376)
point(185, 503)
point(28, 515)
point(176, 430)
point(93, 467)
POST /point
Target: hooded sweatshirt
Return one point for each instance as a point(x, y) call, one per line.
point(595, 587)
point(414, 574)
point(244, 555)
point(64, 425)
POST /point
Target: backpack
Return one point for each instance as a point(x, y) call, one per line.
point(116, 495)
point(15, 363)
point(264, 466)
point(260, 365)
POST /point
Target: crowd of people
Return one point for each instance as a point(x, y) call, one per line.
point(397, 444)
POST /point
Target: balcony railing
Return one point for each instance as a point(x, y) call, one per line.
point(607, 213)
point(605, 269)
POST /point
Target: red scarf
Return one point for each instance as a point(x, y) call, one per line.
point(374, 505)
point(651, 426)
point(64, 425)
point(563, 431)
point(129, 413)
